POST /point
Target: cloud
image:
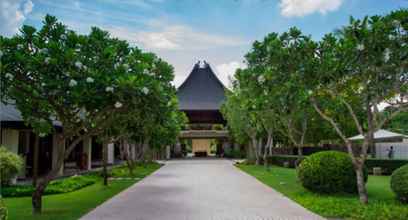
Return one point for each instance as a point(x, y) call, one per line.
point(163, 36)
point(300, 8)
point(226, 71)
point(12, 15)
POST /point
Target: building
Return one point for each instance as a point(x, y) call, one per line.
point(19, 138)
point(384, 140)
point(200, 97)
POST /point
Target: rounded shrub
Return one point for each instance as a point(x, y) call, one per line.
point(10, 165)
point(399, 183)
point(328, 172)
point(3, 211)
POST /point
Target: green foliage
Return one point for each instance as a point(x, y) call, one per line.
point(399, 183)
point(10, 165)
point(328, 172)
point(3, 211)
point(382, 205)
point(387, 166)
point(399, 123)
point(55, 187)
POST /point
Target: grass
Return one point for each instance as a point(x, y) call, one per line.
point(382, 202)
point(73, 205)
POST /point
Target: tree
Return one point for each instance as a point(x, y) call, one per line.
point(280, 61)
point(360, 68)
point(82, 82)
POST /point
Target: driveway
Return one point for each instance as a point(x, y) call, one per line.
point(200, 189)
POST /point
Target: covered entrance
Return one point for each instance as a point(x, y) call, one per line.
point(200, 98)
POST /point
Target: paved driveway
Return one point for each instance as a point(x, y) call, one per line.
point(200, 189)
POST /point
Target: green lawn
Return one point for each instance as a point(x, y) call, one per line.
point(75, 204)
point(382, 205)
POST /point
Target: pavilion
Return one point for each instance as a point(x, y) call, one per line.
point(200, 98)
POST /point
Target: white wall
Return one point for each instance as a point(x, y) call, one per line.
point(10, 139)
point(400, 150)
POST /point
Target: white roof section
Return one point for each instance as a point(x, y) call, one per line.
point(380, 134)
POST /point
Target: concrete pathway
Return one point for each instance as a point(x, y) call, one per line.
point(200, 189)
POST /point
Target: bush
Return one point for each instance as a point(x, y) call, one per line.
point(328, 172)
point(3, 211)
point(10, 165)
point(388, 166)
point(234, 153)
point(399, 183)
point(55, 187)
point(279, 160)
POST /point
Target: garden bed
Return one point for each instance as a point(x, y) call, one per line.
point(58, 186)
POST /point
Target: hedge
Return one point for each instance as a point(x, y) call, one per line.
point(388, 166)
point(55, 187)
point(279, 160)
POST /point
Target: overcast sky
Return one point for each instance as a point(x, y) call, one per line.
point(184, 31)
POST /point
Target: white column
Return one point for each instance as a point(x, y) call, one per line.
point(111, 153)
point(87, 149)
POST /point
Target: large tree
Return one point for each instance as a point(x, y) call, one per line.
point(82, 82)
point(361, 67)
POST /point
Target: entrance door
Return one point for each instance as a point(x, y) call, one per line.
point(201, 147)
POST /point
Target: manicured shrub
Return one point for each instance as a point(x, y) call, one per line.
point(55, 187)
point(399, 183)
point(10, 165)
point(3, 211)
point(387, 166)
point(328, 172)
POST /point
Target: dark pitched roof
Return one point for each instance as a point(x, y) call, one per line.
point(10, 113)
point(202, 90)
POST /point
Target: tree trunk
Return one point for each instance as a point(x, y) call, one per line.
point(268, 150)
point(36, 198)
point(105, 162)
point(370, 134)
point(362, 191)
point(35, 160)
point(254, 147)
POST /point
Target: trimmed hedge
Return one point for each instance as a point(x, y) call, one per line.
point(388, 166)
point(399, 183)
point(328, 172)
point(279, 160)
point(55, 187)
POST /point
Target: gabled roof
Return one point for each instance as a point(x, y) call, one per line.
point(202, 90)
point(380, 135)
point(10, 113)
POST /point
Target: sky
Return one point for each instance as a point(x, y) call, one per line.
point(185, 31)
